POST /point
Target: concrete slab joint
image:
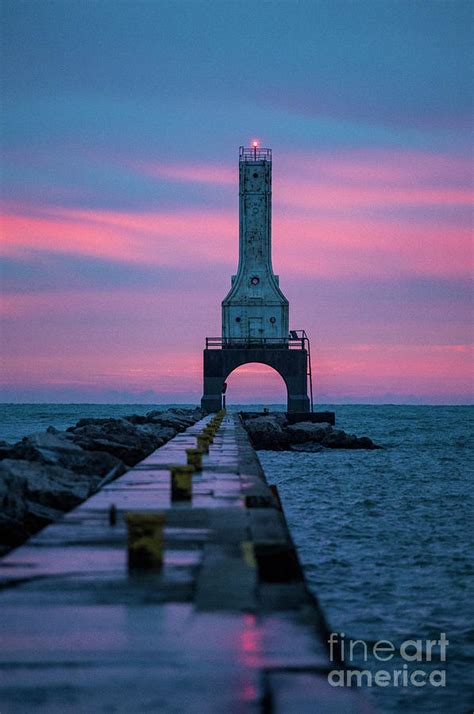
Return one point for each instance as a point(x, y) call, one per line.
point(208, 611)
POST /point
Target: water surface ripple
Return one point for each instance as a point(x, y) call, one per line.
point(385, 538)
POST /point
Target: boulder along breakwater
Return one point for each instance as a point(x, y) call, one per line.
point(172, 588)
point(47, 473)
point(50, 472)
point(275, 431)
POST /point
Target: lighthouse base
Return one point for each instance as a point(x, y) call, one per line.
point(291, 365)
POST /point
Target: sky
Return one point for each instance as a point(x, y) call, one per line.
point(120, 130)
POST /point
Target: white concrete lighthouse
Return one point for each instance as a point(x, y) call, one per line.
point(255, 309)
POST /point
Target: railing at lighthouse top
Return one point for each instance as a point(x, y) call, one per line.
point(254, 153)
point(290, 342)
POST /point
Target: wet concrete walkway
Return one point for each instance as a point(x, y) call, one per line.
point(228, 624)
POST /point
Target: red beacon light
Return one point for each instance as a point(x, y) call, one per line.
point(255, 147)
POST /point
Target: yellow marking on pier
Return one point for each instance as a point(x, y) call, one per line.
point(248, 553)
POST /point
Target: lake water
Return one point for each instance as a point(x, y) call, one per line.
point(385, 538)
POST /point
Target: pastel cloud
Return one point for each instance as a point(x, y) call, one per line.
point(375, 247)
point(422, 369)
point(343, 218)
point(195, 173)
point(343, 179)
point(149, 338)
point(139, 237)
point(121, 228)
point(435, 373)
point(375, 166)
point(356, 371)
point(313, 195)
point(328, 246)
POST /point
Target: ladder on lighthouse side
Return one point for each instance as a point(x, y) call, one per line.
point(305, 344)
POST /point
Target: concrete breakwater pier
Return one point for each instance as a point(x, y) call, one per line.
point(226, 624)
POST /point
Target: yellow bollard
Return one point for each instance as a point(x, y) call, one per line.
point(203, 443)
point(194, 458)
point(145, 540)
point(182, 483)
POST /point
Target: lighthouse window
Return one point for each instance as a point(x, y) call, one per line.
point(237, 319)
point(273, 320)
point(255, 175)
point(254, 280)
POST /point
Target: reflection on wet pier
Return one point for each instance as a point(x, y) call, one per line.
point(225, 624)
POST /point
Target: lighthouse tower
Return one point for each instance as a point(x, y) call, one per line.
point(255, 309)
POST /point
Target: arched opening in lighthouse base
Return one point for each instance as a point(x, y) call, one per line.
point(290, 364)
point(256, 384)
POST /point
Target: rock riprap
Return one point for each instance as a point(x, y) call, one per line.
point(48, 473)
point(273, 432)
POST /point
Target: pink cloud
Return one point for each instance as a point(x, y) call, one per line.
point(113, 339)
point(341, 180)
point(139, 340)
point(165, 310)
point(149, 340)
point(316, 194)
point(395, 167)
point(425, 370)
point(373, 179)
point(311, 245)
point(320, 226)
point(359, 246)
point(323, 226)
point(195, 173)
point(103, 370)
point(159, 238)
